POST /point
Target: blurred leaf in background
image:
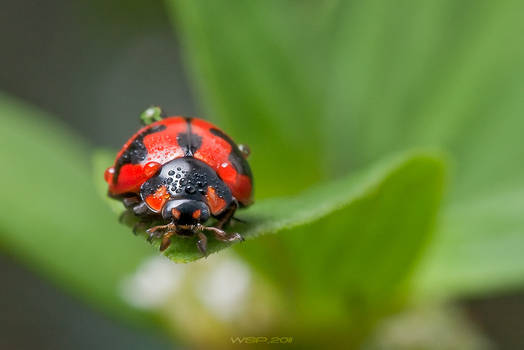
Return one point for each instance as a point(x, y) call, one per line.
point(51, 216)
point(382, 77)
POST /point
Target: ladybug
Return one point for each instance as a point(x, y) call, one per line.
point(182, 171)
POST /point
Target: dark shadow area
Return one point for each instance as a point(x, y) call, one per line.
point(500, 318)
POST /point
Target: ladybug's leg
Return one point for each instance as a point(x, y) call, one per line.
point(163, 231)
point(137, 206)
point(160, 231)
point(202, 243)
point(130, 202)
point(239, 220)
point(140, 226)
point(225, 218)
point(142, 209)
point(122, 216)
point(166, 240)
point(223, 236)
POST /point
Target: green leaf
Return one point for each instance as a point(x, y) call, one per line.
point(274, 215)
point(368, 85)
point(369, 231)
point(52, 219)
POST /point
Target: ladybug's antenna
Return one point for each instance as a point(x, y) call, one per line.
point(152, 114)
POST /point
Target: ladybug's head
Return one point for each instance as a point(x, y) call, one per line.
point(185, 211)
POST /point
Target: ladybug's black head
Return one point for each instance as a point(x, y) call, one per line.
point(185, 211)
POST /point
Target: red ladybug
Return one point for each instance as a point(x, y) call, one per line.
point(182, 171)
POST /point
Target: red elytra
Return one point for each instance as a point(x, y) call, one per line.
point(175, 137)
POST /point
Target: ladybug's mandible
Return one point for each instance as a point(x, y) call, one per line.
point(182, 171)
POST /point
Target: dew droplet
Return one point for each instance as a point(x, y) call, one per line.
point(108, 174)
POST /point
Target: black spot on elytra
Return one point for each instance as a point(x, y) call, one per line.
point(235, 157)
point(136, 152)
point(188, 141)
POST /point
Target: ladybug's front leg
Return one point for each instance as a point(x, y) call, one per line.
point(137, 206)
point(223, 236)
point(166, 240)
point(142, 210)
point(160, 231)
point(202, 243)
point(142, 225)
point(130, 202)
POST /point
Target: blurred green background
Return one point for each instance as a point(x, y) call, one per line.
point(386, 142)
